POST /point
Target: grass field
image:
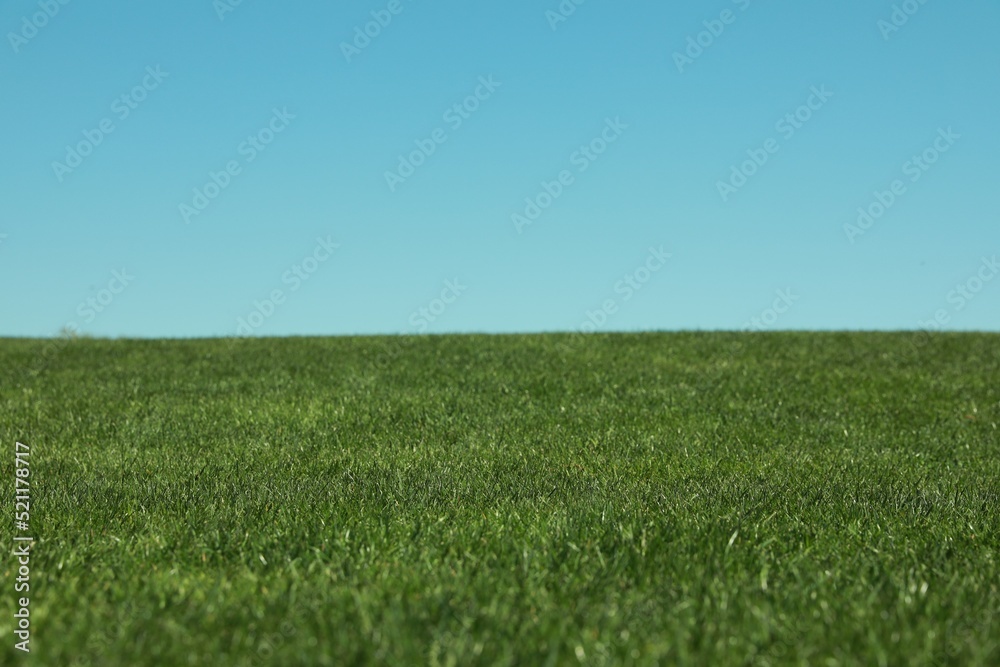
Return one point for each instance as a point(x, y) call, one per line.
point(692, 498)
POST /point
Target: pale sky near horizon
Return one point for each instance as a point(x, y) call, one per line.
point(203, 168)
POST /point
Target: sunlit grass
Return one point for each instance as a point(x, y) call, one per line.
point(716, 499)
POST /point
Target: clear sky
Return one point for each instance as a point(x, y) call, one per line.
point(200, 168)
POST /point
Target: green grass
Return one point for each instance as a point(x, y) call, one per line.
point(695, 498)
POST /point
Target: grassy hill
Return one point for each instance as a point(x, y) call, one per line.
point(702, 498)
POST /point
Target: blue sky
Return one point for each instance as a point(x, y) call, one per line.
point(204, 169)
